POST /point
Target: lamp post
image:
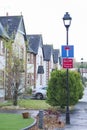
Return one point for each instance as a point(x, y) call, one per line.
point(67, 21)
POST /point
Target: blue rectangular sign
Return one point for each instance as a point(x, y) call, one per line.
point(67, 51)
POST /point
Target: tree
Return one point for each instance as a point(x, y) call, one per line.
point(13, 70)
point(56, 92)
point(8, 69)
point(15, 79)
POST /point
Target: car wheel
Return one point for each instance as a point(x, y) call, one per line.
point(39, 96)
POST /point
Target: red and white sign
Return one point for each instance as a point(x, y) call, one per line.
point(67, 63)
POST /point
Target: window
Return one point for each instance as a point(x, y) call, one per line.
point(30, 58)
point(1, 79)
point(2, 48)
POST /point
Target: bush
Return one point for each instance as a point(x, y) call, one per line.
point(57, 89)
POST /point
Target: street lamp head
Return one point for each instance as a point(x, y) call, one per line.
point(67, 20)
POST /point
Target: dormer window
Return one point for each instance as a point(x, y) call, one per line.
point(40, 69)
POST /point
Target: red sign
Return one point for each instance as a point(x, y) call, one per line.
point(67, 63)
point(67, 48)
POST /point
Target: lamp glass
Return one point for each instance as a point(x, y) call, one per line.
point(67, 22)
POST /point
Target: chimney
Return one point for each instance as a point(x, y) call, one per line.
point(6, 13)
point(21, 13)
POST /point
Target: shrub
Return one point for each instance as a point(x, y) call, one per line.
point(57, 88)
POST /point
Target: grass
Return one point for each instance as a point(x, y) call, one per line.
point(33, 104)
point(6, 103)
point(28, 104)
point(14, 122)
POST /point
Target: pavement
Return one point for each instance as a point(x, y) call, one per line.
point(78, 117)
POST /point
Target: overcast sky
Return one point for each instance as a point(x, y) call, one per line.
point(45, 17)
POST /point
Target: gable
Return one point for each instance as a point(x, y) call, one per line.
point(55, 55)
point(47, 52)
point(21, 28)
point(34, 42)
point(12, 24)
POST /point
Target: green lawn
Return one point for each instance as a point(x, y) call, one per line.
point(34, 104)
point(14, 121)
point(28, 104)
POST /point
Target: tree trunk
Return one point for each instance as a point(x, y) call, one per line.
point(15, 95)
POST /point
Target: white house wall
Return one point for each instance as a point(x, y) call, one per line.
point(30, 68)
point(19, 46)
point(44, 76)
point(2, 93)
point(46, 71)
point(39, 77)
point(2, 62)
point(2, 70)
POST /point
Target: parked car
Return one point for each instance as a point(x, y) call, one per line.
point(39, 93)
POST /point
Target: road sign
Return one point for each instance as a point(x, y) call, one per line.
point(67, 63)
point(67, 51)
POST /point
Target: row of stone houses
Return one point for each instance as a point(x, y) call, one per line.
point(41, 60)
point(38, 59)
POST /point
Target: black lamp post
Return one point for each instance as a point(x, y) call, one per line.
point(67, 21)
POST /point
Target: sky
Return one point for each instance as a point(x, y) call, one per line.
point(45, 17)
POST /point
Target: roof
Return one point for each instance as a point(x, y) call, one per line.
point(3, 32)
point(12, 24)
point(34, 42)
point(55, 55)
point(47, 51)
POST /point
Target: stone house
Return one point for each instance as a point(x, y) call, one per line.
point(35, 68)
point(3, 37)
point(41, 60)
point(38, 60)
point(51, 61)
point(15, 28)
point(48, 62)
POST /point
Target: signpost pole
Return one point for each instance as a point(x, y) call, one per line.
point(67, 87)
point(67, 21)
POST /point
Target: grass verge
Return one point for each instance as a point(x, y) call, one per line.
point(14, 121)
